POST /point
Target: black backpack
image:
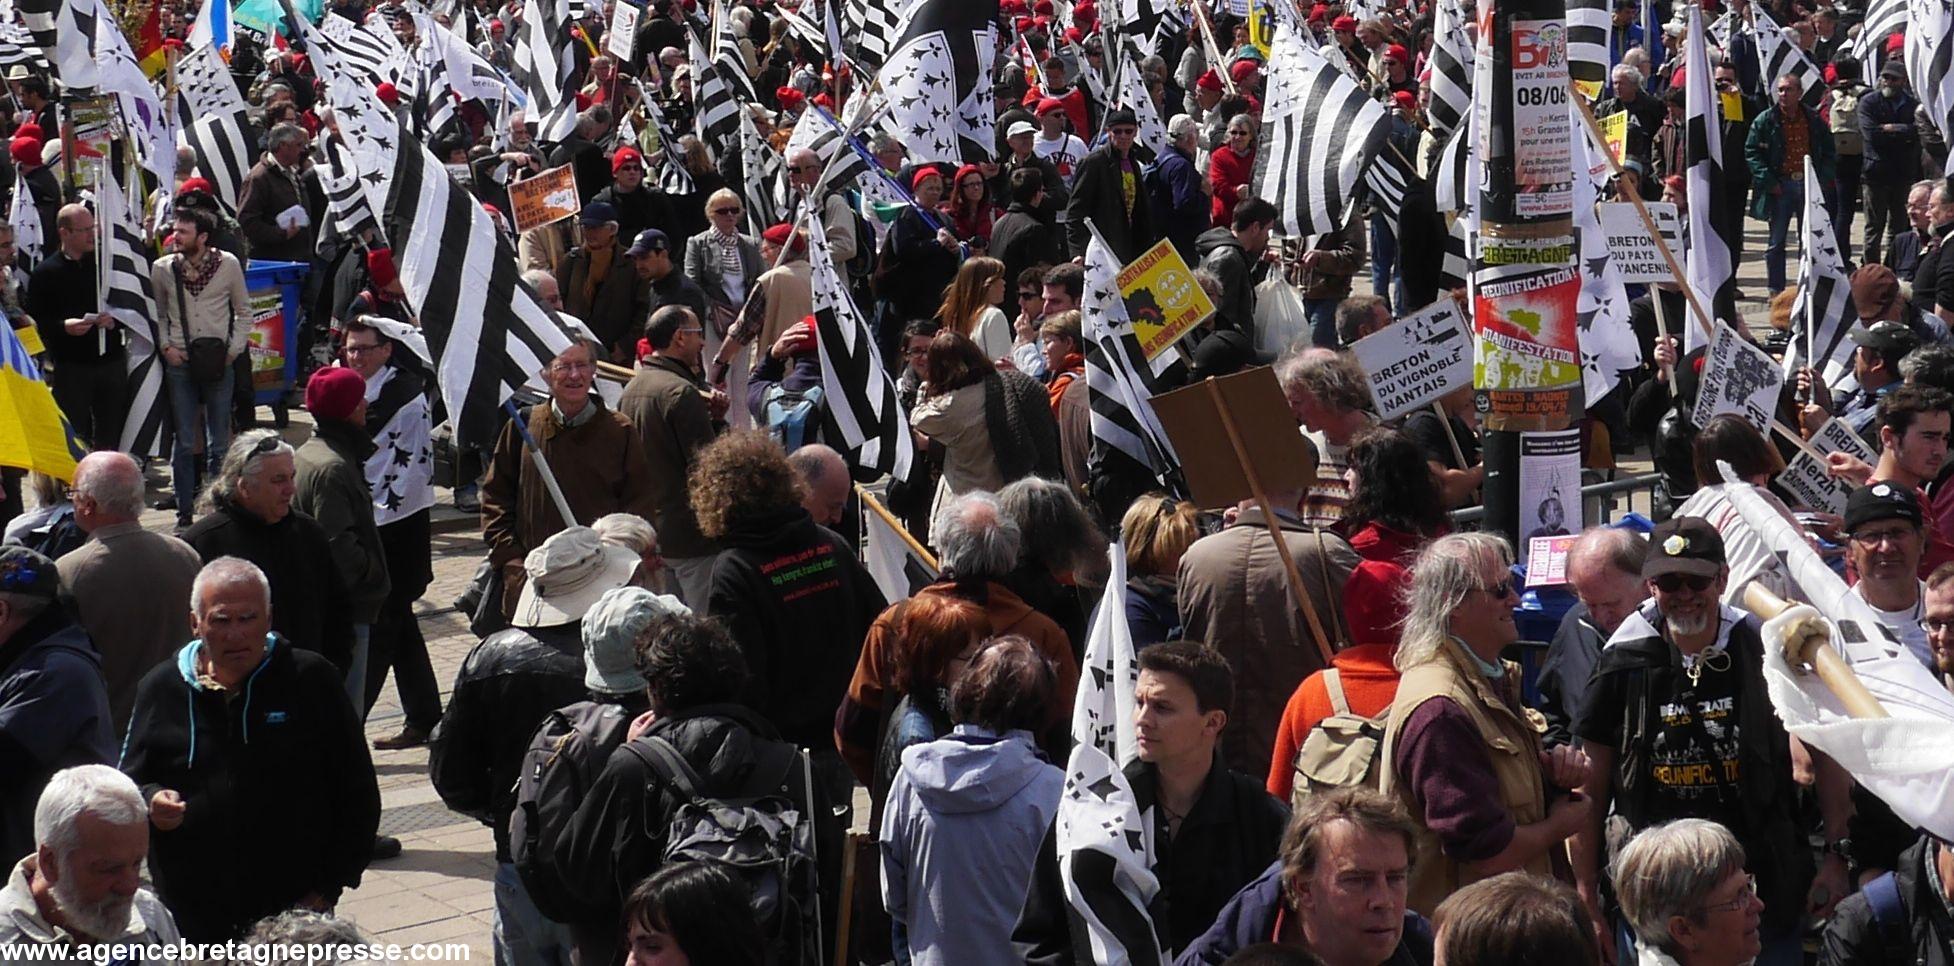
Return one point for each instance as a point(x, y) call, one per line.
point(760, 833)
point(563, 760)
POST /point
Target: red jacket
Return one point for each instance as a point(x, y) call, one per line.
point(1228, 171)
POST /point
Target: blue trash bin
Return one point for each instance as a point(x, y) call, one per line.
point(276, 312)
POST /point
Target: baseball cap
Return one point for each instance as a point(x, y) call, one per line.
point(648, 241)
point(598, 213)
point(610, 634)
point(1885, 337)
point(1021, 127)
point(24, 572)
point(1881, 501)
point(1684, 545)
point(1119, 116)
point(1875, 289)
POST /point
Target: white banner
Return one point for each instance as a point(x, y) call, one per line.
point(1636, 254)
point(1738, 377)
point(1415, 362)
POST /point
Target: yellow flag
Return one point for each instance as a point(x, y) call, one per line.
point(33, 433)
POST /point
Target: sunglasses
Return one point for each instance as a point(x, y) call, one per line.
point(726, 211)
point(1501, 590)
point(1671, 583)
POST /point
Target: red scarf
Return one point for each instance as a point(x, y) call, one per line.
point(1075, 365)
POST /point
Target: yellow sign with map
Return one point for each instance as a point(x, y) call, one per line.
point(1614, 131)
point(1162, 298)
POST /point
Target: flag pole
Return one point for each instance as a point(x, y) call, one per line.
point(1809, 642)
point(542, 465)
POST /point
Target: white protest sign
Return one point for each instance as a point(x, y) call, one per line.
point(622, 38)
point(1636, 254)
point(1738, 377)
point(1806, 477)
point(1414, 362)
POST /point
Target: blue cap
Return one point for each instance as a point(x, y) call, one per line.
point(648, 241)
point(598, 213)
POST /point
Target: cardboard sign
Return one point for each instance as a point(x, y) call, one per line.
point(622, 38)
point(1415, 362)
point(1614, 135)
point(1732, 105)
point(548, 197)
point(1528, 358)
point(1636, 255)
point(1215, 477)
point(1162, 298)
point(1806, 477)
point(1738, 377)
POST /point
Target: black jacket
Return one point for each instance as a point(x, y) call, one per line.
point(1222, 254)
point(1853, 938)
point(310, 605)
point(1024, 237)
point(913, 269)
point(506, 686)
point(54, 714)
point(1250, 918)
point(644, 208)
point(1097, 195)
point(279, 790)
point(617, 836)
point(1228, 839)
point(1565, 673)
point(798, 603)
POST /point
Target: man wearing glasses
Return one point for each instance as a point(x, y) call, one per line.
point(837, 219)
point(1678, 725)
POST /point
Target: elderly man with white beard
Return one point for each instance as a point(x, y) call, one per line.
point(83, 882)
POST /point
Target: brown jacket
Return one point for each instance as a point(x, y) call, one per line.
point(1235, 596)
point(129, 585)
point(1340, 257)
point(666, 402)
point(599, 465)
point(1513, 744)
point(1074, 414)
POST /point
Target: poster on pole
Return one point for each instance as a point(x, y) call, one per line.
point(548, 197)
point(1162, 298)
point(1636, 255)
point(1527, 360)
point(1543, 128)
point(1738, 377)
point(1550, 485)
point(1614, 135)
point(1419, 360)
point(1807, 478)
point(91, 131)
point(622, 38)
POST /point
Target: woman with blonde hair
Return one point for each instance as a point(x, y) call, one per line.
point(1158, 530)
point(970, 307)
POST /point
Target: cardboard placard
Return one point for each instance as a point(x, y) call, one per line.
point(1637, 256)
point(1807, 478)
point(1614, 135)
point(1162, 298)
point(1269, 433)
point(1417, 361)
point(548, 197)
point(622, 38)
point(1738, 377)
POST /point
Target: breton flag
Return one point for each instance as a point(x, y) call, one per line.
point(899, 565)
point(863, 410)
point(760, 172)
point(1128, 441)
point(375, 54)
point(1779, 55)
point(938, 81)
point(1456, 188)
point(1451, 66)
point(1824, 312)
point(204, 86)
point(1389, 179)
point(544, 59)
point(1907, 759)
point(1929, 46)
point(64, 30)
point(673, 179)
point(1105, 844)
point(28, 235)
point(1708, 260)
point(1589, 26)
point(212, 29)
point(1608, 342)
point(224, 147)
point(821, 133)
point(1132, 95)
point(1884, 18)
point(124, 263)
point(721, 84)
point(18, 49)
point(348, 212)
point(1320, 132)
point(875, 25)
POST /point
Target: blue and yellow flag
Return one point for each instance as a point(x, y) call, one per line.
point(33, 432)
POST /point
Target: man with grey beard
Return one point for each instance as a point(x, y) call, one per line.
point(83, 882)
point(1678, 725)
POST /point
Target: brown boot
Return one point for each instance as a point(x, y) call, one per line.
point(409, 737)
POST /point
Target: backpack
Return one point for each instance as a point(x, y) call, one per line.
point(56, 536)
point(1890, 917)
point(1845, 121)
point(1342, 749)
point(792, 416)
point(561, 764)
point(760, 834)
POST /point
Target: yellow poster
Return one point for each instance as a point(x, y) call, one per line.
point(1614, 131)
point(1733, 106)
point(1590, 89)
point(1261, 29)
point(1162, 298)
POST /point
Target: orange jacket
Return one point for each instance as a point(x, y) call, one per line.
point(1370, 681)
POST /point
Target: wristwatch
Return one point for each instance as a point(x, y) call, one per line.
point(1840, 847)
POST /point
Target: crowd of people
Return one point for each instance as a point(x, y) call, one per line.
point(688, 687)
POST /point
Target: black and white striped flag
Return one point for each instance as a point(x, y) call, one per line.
point(1608, 342)
point(1451, 67)
point(1884, 18)
point(64, 30)
point(1778, 55)
point(373, 53)
point(874, 25)
point(862, 407)
point(939, 79)
point(18, 49)
point(1388, 179)
point(1589, 25)
point(817, 132)
point(204, 86)
point(1929, 49)
point(544, 60)
point(1449, 181)
point(720, 84)
point(1319, 133)
point(1824, 308)
point(28, 236)
point(1708, 262)
point(761, 173)
point(126, 295)
point(1128, 441)
point(224, 147)
point(348, 212)
point(1132, 95)
point(673, 179)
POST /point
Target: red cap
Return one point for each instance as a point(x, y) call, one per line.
point(1896, 43)
point(1406, 102)
point(1242, 70)
point(790, 98)
point(1396, 52)
point(1075, 35)
point(1024, 24)
point(25, 150)
point(201, 185)
point(334, 393)
point(380, 267)
point(1048, 105)
point(626, 155)
point(1345, 24)
point(1209, 81)
point(387, 93)
point(922, 174)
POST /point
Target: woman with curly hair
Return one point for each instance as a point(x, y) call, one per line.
point(791, 592)
point(1394, 507)
point(996, 425)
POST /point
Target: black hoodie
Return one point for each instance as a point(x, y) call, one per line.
point(54, 714)
point(1222, 253)
point(798, 603)
point(279, 793)
point(310, 605)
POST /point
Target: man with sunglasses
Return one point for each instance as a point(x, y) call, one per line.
point(1678, 725)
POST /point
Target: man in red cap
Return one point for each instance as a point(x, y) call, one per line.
point(1053, 143)
point(640, 203)
point(1397, 71)
point(1345, 30)
point(330, 486)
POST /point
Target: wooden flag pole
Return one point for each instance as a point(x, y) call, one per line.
point(922, 553)
point(1269, 519)
point(1809, 643)
point(1451, 435)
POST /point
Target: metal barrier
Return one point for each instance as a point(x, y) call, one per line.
point(1599, 501)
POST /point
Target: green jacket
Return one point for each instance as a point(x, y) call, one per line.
point(1764, 152)
point(331, 488)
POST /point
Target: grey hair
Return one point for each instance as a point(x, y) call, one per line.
point(976, 538)
point(1209, 282)
point(812, 462)
point(1935, 362)
point(1670, 870)
point(284, 134)
point(298, 933)
point(883, 142)
point(113, 481)
point(1246, 120)
point(223, 572)
point(1334, 378)
point(1446, 571)
point(627, 530)
point(240, 461)
point(1622, 549)
point(1628, 71)
point(1182, 126)
point(535, 277)
point(1058, 533)
point(96, 790)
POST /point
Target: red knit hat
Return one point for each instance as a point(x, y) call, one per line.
point(334, 393)
point(29, 130)
point(782, 234)
point(626, 155)
point(25, 150)
point(916, 180)
point(790, 98)
point(200, 185)
point(388, 94)
point(380, 267)
point(1024, 24)
point(1345, 24)
point(1896, 43)
point(1075, 35)
point(1209, 81)
point(1319, 14)
point(1242, 70)
point(824, 102)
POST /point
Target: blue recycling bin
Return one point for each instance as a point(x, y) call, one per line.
point(276, 313)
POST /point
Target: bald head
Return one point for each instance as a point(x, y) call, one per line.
point(1605, 569)
point(825, 482)
point(803, 166)
point(108, 490)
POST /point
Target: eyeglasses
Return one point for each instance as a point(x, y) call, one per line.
point(571, 368)
point(726, 211)
point(1501, 590)
point(1936, 626)
point(1743, 898)
point(1671, 583)
point(694, 329)
point(354, 348)
point(1891, 535)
